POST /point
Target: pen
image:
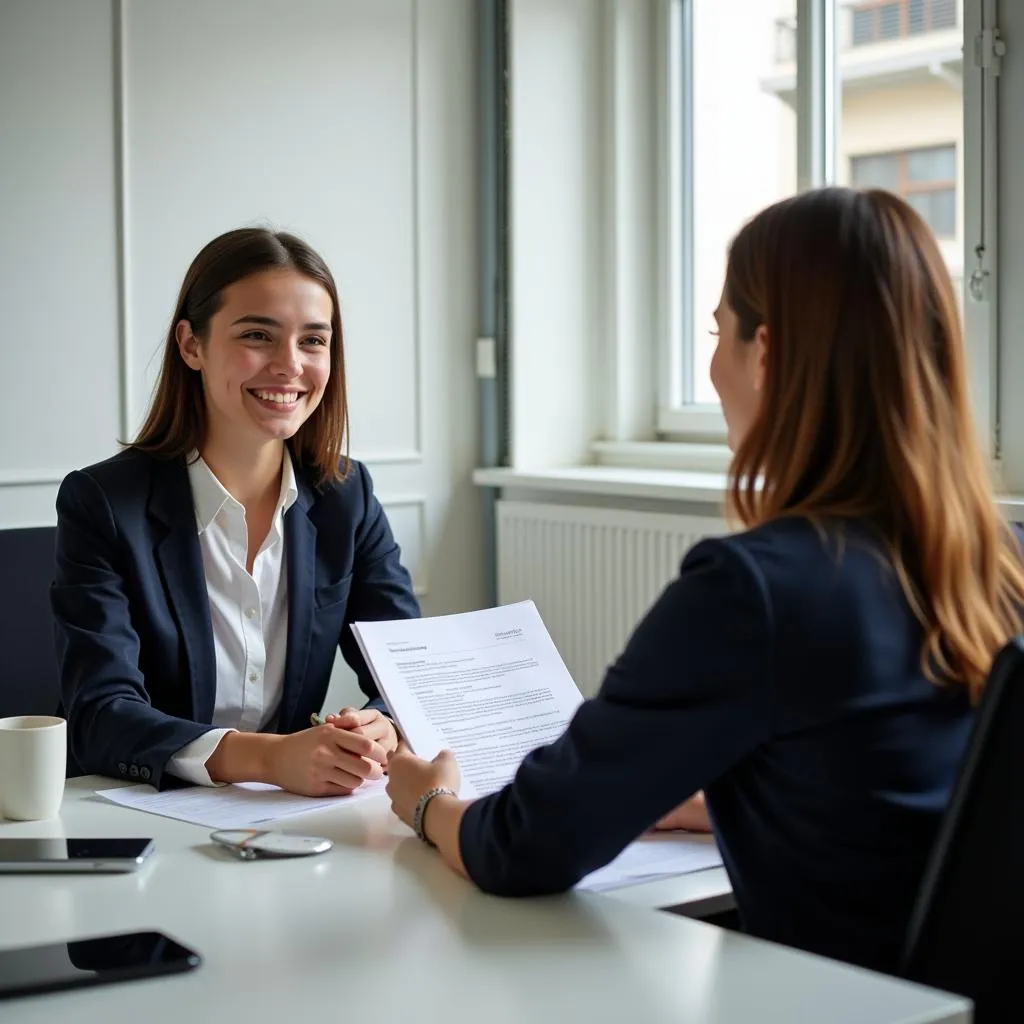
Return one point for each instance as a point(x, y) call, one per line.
point(317, 719)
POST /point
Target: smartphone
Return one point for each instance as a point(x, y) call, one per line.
point(33, 970)
point(90, 855)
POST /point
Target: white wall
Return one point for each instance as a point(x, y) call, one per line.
point(350, 122)
point(558, 229)
point(58, 249)
point(584, 306)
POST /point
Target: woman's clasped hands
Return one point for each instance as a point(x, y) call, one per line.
point(335, 758)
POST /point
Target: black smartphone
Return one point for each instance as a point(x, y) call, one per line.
point(75, 855)
point(33, 970)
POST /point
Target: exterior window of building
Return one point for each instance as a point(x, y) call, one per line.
point(926, 178)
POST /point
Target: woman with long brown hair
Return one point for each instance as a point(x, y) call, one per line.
point(207, 575)
point(815, 673)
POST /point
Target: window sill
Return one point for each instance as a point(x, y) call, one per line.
point(694, 486)
point(675, 455)
point(612, 481)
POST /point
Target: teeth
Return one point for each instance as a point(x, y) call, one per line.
point(281, 397)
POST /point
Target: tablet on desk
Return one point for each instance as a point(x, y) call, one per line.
point(88, 855)
point(34, 970)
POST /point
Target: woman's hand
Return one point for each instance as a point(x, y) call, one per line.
point(409, 777)
point(324, 761)
point(691, 815)
point(369, 723)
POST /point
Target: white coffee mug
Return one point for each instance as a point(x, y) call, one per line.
point(33, 760)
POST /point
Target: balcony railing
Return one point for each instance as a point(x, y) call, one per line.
point(785, 40)
point(868, 22)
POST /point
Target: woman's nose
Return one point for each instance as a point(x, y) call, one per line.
point(286, 361)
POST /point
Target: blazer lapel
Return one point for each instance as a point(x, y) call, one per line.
point(300, 558)
point(181, 565)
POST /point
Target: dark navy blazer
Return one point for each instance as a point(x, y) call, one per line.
point(133, 630)
point(782, 675)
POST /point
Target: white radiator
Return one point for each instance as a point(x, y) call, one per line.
point(592, 572)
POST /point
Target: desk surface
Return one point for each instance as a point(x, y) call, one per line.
point(379, 929)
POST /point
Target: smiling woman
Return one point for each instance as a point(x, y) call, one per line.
point(206, 575)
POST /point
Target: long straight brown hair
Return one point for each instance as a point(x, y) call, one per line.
point(176, 422)
point(865, 411)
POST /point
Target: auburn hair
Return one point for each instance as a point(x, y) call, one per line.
point(175, 425)
point(865, 412)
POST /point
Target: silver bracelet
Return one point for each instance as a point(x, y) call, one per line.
point(421, 809)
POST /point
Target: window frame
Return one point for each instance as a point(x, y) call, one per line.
point(981, 223)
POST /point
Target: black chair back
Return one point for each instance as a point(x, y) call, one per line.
point(28, 664)
point(965, 932)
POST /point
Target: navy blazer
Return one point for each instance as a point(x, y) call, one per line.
point(133, 630)
point(781, 673)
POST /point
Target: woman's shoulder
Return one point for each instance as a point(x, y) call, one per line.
point(128, 475)
point(801, 565)
point(797, 537)
point(777, 542)
point(130, 464)
point(126, 463)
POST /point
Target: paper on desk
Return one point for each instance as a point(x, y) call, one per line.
point(239, 806)
point(491, 686)
point(488, 685)
point(656, 856)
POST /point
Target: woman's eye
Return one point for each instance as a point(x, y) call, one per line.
point(256, 335)
point(316, 340)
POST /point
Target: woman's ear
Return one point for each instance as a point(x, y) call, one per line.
point(188, 344)
point(759, 356)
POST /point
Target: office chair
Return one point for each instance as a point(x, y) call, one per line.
point(965, 930)
point(28, 669)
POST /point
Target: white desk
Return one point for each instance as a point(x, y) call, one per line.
point(379, 930)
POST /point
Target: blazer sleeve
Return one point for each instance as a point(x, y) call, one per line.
point(112, 726)
point(381, 585)
point(689, 697)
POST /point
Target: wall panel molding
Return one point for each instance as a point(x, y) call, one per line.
point(385, 458)
point(133, 405)
point(31, 477)
point(417, 234)
point(419, 503)
point(124, 364)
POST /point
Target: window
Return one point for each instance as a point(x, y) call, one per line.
point(891, 117)
point(877, 21)
point(926, 178)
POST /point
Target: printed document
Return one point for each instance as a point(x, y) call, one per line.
point(243, 805)
point(491, 686)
